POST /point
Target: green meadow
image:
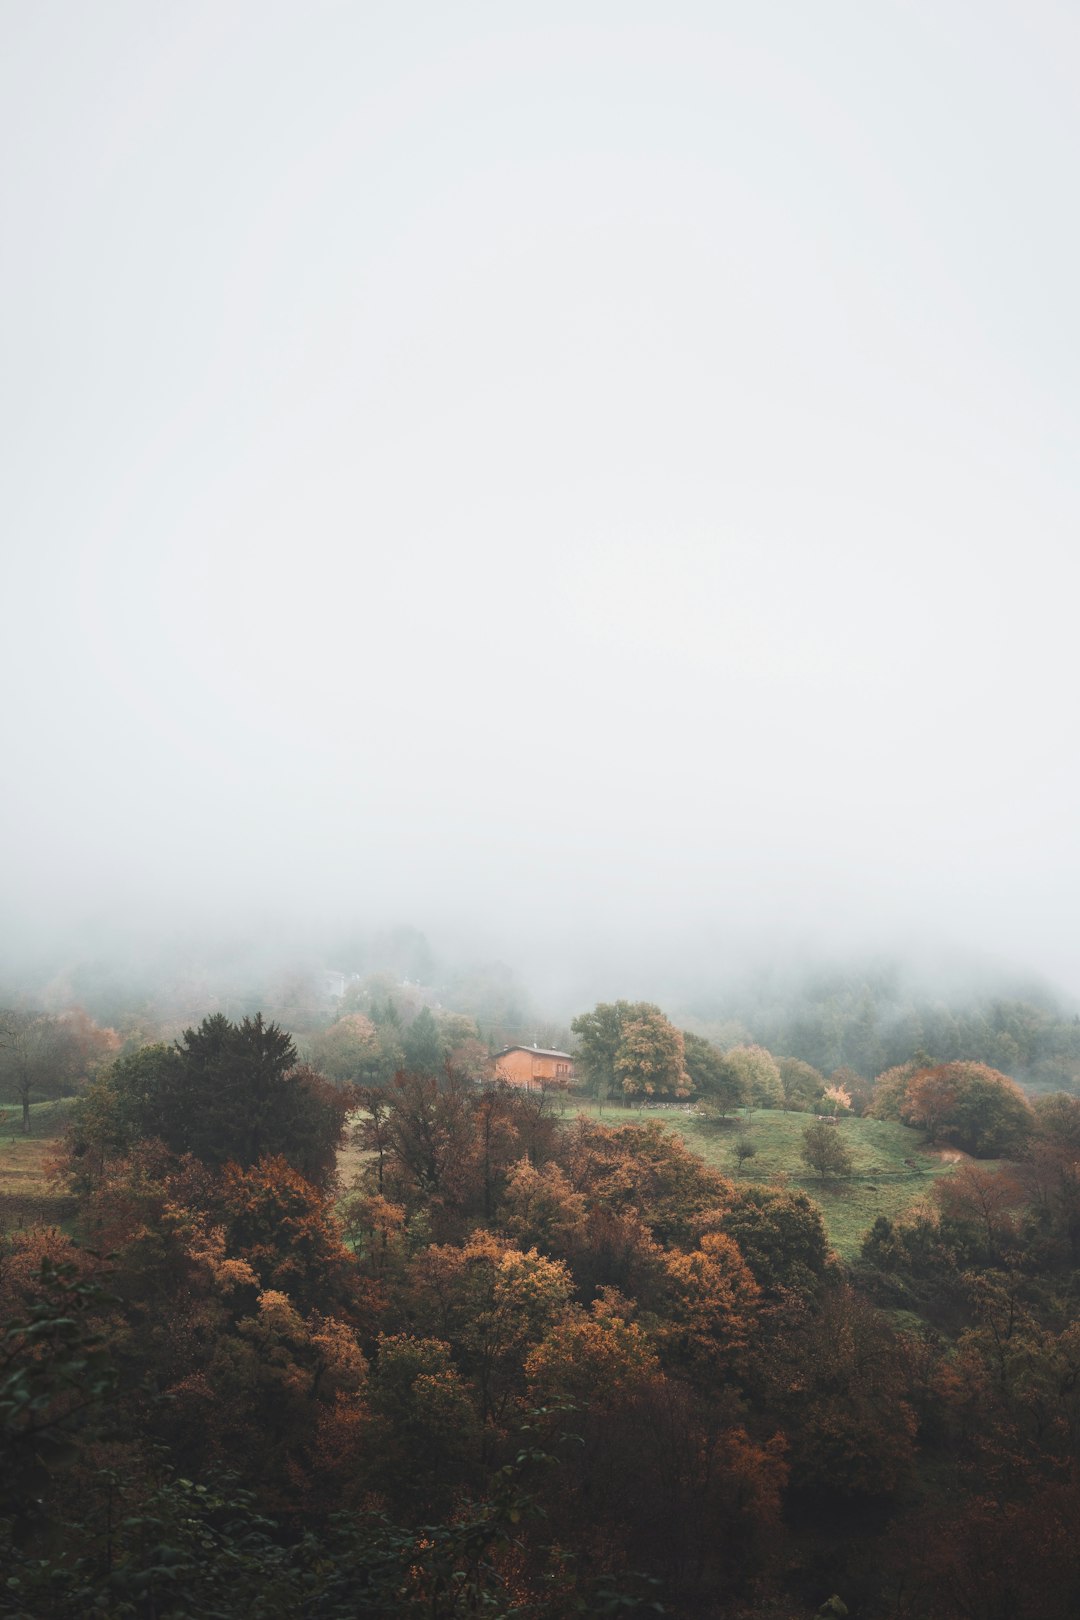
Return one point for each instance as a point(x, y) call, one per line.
point(29, 1195)
point(881, 1183)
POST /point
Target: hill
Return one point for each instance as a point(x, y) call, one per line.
point(892, 1171)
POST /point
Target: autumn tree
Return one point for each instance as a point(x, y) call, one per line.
point(1051, 1174)
point(854, 1433)
point(986, 1200)
point(930, 1101)
point(1057, 1120)
point(650, 1059)
point(836, 1101)
point(644, 1169)
point(277, 1388)
point(421, 1131)
point(282, 1225)
point(470, 1058)
point(349, 1051)
point(974, 1106)
point(709, 1311)
point(856, 1087)
point(592, 1360)
point(890, 1089)
point(372, 1131)
point(47, 1055)
point(448, 1146)
point(540, 1208)
point(668, 1476)
point(650, 1062)
point(993, 1118)
point(490, 1301)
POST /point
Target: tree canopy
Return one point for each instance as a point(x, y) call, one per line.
point(977, 1108)
point(631, 1048)
point(225, 1093)
point(755, 1072)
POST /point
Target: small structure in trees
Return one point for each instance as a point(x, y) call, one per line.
point(533, 1066)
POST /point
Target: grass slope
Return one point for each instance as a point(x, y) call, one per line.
point(881, 1184)
point(28, 1195)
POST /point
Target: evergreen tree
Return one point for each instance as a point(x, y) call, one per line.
point(421, 1044)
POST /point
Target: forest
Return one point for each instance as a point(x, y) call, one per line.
point(336, 1323)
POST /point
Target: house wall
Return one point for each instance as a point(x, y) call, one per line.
point(525, 1068)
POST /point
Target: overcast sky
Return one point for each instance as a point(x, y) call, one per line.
point(584, 473)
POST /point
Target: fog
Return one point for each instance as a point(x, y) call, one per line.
point(597, 483)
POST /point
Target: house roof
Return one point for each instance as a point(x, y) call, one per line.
point(537, 1051)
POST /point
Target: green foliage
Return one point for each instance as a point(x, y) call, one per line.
point(649, 1061)
point(225, 1093)
point(720, 1085)
point(755, 1073)
point(55, 1368)
point(351, 1052)
point(704, 1064)
point(780, 1234)
point(46, 1055)
point(599, 1034)
point(629, 1048)
point(427, 1430)
point(803, 1084)
point(118, 1110)
point(423, 1049)
point(993, 1119)
point(825, 1150)
point(890, 1090)
point(982, 1111)
point(874, 1021)
point(743, 1149)
point(204, 1551)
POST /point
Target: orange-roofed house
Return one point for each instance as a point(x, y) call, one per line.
point(533, 1066)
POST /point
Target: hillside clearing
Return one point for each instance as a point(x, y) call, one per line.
point(882, 1183)
point(28, 1192)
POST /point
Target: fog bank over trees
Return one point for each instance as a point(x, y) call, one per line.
point(600, 488)
point(858, 1014)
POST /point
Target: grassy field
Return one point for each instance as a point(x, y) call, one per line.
point(881, 1184)
point(28, 1196)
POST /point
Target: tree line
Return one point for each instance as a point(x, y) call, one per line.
point(525, 1365)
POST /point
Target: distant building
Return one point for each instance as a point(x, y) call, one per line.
point(533, 1065)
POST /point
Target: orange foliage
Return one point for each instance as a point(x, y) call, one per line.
point(595, 1359)
point(986, 1199)
point(709, 1313)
